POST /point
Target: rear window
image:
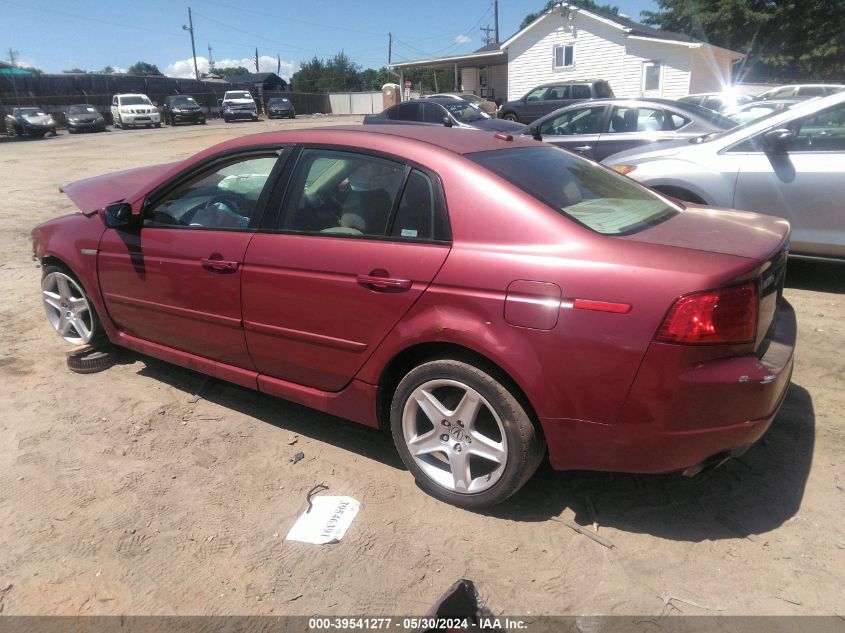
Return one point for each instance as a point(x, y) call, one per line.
point(593, 196)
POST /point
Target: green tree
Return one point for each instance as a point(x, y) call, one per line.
point(143, 68)
point(231, 71)
point(75, 70)
point(107, 70)
point(783, 40)
point(307, 78)
point(589, 5)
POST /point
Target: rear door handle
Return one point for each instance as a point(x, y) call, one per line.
point(583, 148)
point(221, 265)
point(384, 283)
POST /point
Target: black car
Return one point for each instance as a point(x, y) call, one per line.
point(443, 111)
point(597, 129)
point(550, 97)
point(30, 121)
point(182, 109)
point(280, 107)
point(84, 118)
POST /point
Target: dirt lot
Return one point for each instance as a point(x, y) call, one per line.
point(122, 493)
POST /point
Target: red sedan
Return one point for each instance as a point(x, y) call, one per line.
point(488, 299)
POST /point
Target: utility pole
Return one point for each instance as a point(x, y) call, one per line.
point(190, 29)
point(210, 60)
point(488, 39)
point(390, 54)
point(496, 18)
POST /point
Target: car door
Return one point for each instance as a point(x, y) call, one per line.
point(358, 240)
point(631, 126)
point(804, 182)
point(575, 129)
point(556, 97)
point(176, 280)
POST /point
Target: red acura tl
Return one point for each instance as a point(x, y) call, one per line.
point(487, 298)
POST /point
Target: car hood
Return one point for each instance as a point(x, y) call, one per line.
point(95, 193)
point(737, 233)
point(35, 119)
point(239, 102)
point(498, 125)
point(84, 117)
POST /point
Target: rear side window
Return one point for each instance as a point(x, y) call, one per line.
point(603, 90)
point(593, 196)
point(420, 215)
point(580, 91)
point(403, 112)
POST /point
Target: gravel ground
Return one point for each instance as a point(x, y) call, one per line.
point(148, 489)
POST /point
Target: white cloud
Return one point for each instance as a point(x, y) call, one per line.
point(462, 39)
point(184, 68)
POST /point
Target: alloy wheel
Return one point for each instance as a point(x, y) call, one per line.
point(67, 308)
point(455, 436)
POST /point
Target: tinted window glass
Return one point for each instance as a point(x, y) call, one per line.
point(404, 112)
point(433, 113)
point(580, 121)
point(811, 91)
point(579, 91)
point(593, 196)
point(635, 120)
point(535, 94)
point(675, 121)
point(603, 90)
point(342, 193)
point(557, 92)
point(222, 199)
point(822, 132)
point(420, 216)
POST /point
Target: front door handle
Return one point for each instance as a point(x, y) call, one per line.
point(384, 283)
point(583, 148)
point(221, 265)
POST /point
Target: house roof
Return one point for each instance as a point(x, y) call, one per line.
point(254, 78)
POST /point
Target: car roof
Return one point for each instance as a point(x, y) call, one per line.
point(131, 94)
point(455, 140)
point(569, 81)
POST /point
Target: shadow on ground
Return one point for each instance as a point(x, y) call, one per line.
point(751, 495)
point(818, 276)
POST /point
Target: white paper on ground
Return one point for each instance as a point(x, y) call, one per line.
point(327, 522)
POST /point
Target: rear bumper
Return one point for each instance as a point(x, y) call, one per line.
point(676, 419)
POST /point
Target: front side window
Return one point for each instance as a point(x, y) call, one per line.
point(224, 198)
point(593, 196)
point(536, 94)
point(579, 121)
point(466, 112)
point(821, 132)
point(564, 56)
point(342, 193)
point(432, 113)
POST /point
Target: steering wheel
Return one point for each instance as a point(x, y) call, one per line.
point(225, 202)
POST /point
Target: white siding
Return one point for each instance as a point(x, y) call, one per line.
point(469, 81)
point(497, 81)
point(676, 63)
point(711, 69)
point(599, 51)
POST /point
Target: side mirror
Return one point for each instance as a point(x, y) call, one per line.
point(775, 140)
point(118, 215)
point(534, 131)
point(447, 121)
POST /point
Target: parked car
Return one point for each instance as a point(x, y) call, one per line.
point(485, 297)
point(549, 97)
point(134, 110)
point(280, 107)
point(182, 109)
point(84, 117)
point(442, 111)
point(758, 109)
point(799, 92)
point(488, 106)
point(717, 101)
point(790, 164)
point(599, 128)
point(239, 104)
point(29, 121)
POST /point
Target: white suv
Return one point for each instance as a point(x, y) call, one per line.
point(239, 104)
point(134, 110)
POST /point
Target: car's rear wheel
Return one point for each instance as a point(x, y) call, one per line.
point(68, 308)
point(510, 116)
point(465, 437)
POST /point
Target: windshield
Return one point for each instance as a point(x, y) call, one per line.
point(139, 100)
point(185, 101)
point(82, 109)
point(238, 95)
point(465, 112)
point(278, 101)
point(32, 112)
point(595, 197)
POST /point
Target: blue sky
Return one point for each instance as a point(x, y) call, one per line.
point(56, 35)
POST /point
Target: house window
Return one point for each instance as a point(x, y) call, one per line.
point(651, 76)
point(565, 56)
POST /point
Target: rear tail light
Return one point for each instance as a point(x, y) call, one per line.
point(726, 315)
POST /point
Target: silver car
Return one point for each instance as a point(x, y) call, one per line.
point(789, 164)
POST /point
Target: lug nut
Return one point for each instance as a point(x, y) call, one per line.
point(460, 424)
point(445, 422)
point(468, 439)
point(457, 448)
point(444, 438)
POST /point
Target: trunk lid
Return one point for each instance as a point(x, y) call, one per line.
point(95, 193)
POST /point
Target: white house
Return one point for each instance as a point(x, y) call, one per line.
point(568, 42)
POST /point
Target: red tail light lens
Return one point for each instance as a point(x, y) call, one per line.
point(726, 315)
